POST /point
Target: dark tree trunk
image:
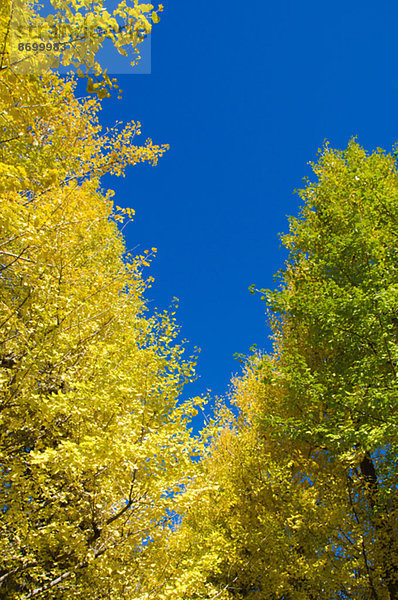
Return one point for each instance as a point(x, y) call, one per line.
point(387, 542)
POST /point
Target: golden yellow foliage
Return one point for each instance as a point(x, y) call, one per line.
point(93, 440)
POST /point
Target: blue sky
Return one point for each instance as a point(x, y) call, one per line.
point(245, 94)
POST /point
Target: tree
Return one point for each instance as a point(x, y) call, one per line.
point(259, 514)
point(337, 344)
point(93, 439)
point(301, 496)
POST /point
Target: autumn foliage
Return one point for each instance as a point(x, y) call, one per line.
point(290, 491)
point(93, 442)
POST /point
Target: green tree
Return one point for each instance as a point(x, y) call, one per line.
point(337, 343)
point(297, 496)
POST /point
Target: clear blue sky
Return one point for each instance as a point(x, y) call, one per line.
point(245, 94)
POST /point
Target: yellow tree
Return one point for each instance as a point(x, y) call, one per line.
point(93, 441)
point(261, 516)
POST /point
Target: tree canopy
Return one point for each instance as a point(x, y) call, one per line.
point(290, 492)
point(300, 499)
point(94, 441)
